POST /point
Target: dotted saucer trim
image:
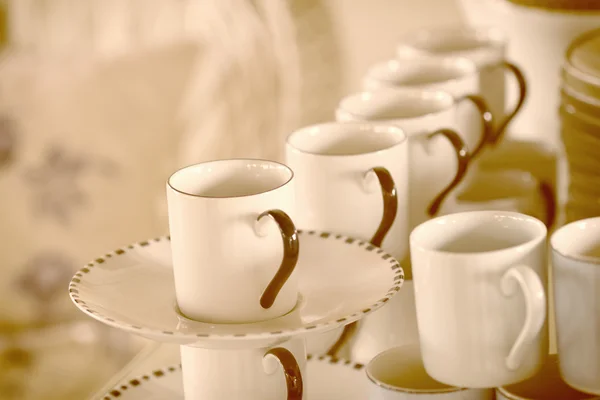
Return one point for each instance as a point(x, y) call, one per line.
point(135, 383)
point(117, 391)
point(82, 305)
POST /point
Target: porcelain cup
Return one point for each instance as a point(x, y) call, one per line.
point(438, 154)
point(576, 273)
point(456, 76)
point(438, 161)
point(399, 374)
point(486, 47)
point(351, 178)
point(546, 384)
point(234, 244)
point(480, 288)
point(251, 374)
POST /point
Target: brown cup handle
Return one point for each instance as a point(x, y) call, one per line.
point(291, 370)
point(463, 158)
point(390, 210)
point(390, 204)
point(522, 83)
point(487, 122)
point(347, 335)
point(549, 197)
point(291, 250)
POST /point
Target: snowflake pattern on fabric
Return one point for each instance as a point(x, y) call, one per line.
point(56, 182)
point(45, 276)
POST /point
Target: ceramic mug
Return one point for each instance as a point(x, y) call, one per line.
point(486, 47)
point(546, 384)
point(480, 287)
point(438, 159)
point(398, 374)
point(438, 154)
point(576, 275)
point(227, 220)
point(250, 373)
point(351, 178)
point(457, 76)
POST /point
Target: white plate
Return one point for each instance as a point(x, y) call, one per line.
point(340, 280)
point(326, 379)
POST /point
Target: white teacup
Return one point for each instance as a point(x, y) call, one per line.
point(546, 384)
point(486, 47)
point(480, 287)
point(576, 275)
point(249, 374)
point(398, 374)
point(351, 178)
point(438, 155)
point(456, 76)
point(438, 160)
point(229, 262)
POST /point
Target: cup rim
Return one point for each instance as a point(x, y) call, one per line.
point(392, 94)
point(225, 161)
point(398, 389)
point(550, 371)
point(509, 395)
point(482, 33)
point(556, 236)
point(361, 125)
point(464, 67)
point(417, 243)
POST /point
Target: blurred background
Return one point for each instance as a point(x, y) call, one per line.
point(101, 99)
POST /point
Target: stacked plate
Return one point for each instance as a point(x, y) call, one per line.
point(580, 127)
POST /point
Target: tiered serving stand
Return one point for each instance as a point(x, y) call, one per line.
point(340, 280)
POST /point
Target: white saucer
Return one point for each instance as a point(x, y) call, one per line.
point(340, 280)
point(326, 379)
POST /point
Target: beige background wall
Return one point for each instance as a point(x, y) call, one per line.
point(369, 29)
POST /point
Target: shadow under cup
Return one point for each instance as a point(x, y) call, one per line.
point(398, 373)
point(546, 384)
